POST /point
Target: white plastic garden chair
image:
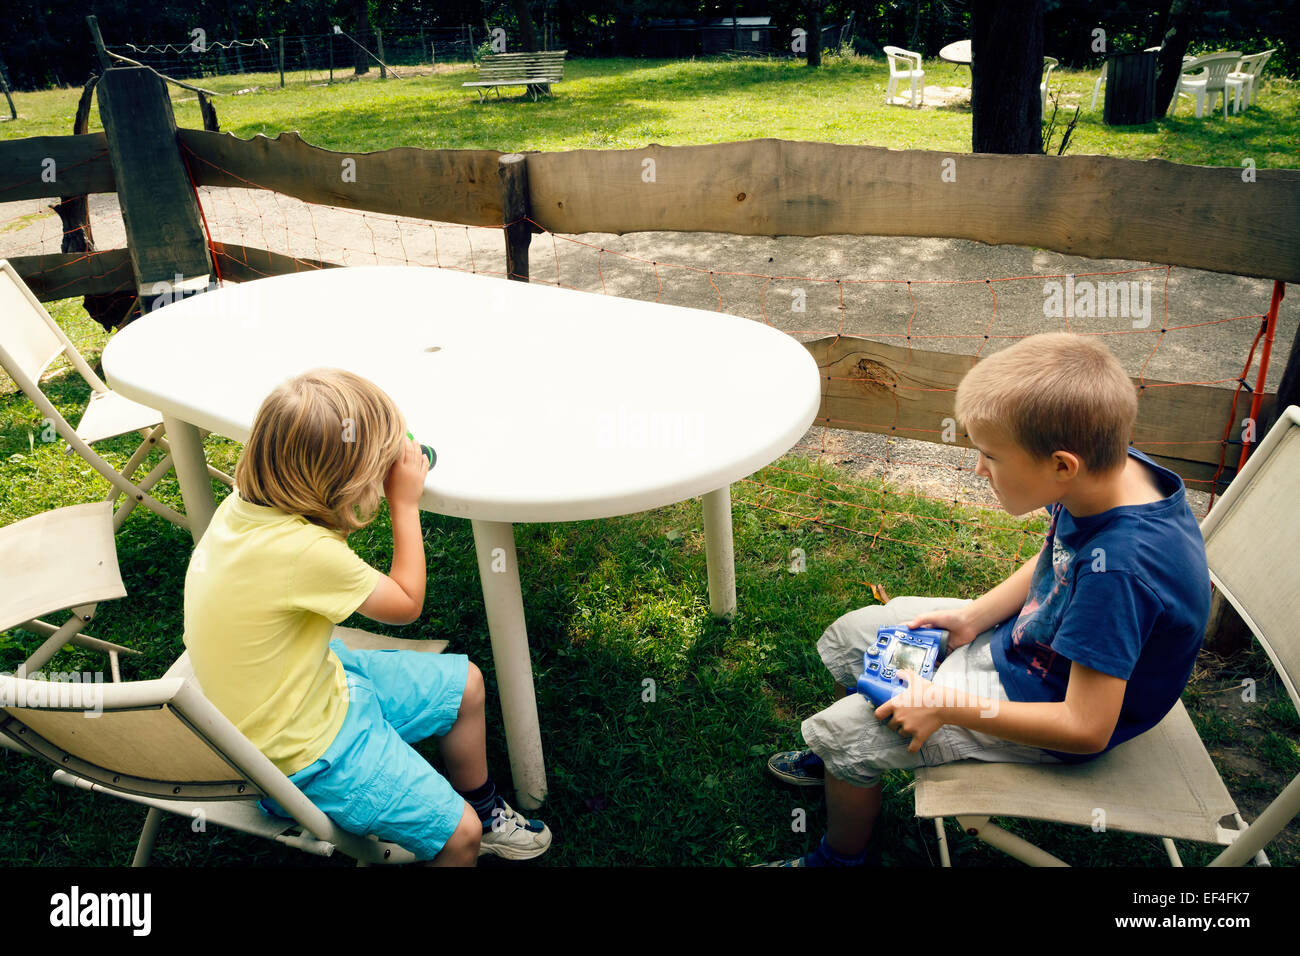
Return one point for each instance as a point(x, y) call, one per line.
point(1204, 78)
point(162, 744)
point(30, 340)
point(905, 65)
point(1242, 80)
point(1163, 783)
point(1049, 64)
point(1096, 87)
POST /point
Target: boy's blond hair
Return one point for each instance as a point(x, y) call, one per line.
point(1054, 392)
point(321, 445)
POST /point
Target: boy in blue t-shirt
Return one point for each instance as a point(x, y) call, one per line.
point(1087, 645)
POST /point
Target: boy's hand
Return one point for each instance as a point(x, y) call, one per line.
point(955, 621)
point(405, 481)
point(909, 713)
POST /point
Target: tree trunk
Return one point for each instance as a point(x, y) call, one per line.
point(526, 35)
point(814, 37)
point(1006, 70)
point(1177, 36)
point(361, 62)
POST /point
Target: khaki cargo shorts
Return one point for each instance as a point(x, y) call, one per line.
point(856, 747)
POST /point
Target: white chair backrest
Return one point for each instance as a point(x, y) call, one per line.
point(902, 61)
point(75, 539)
point(29, 340)
point(1254, 63)
point(1214, 67)
point(1250, 542)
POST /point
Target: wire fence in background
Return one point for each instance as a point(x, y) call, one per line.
point(319, 57)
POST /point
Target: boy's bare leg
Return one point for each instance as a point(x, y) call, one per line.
point(462, 848)
point(464, 747)
point(851, 813)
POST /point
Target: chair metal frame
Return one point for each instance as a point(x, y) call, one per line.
point(162, 744)
point(30, 341)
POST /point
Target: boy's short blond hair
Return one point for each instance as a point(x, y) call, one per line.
point(1054, 392)
point(321, 445)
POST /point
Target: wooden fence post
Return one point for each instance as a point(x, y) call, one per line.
point(329, 42)
point(93, 22)
point(379, 41)
point(281, 62)
point(159, 209)
point(514, 213)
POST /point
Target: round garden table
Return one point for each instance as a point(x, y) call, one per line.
point(956, 52)
point(543, 404)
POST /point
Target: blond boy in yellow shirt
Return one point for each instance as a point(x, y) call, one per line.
point(271, 577)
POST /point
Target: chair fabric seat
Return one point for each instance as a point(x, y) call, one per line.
point(58, 559)
point(1162, 782)
point(109, 414)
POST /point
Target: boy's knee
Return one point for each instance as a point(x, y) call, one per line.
point(462, 847)
point(475, 694)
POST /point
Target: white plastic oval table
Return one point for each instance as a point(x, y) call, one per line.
point(543, 404)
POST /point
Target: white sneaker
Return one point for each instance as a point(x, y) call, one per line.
point(512, 836)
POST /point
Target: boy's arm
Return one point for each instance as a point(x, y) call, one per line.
point(1082, 723)
point(1004, 601)
point(398, 598)
point(967, 622)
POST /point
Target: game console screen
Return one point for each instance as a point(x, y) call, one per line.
point(909, 656)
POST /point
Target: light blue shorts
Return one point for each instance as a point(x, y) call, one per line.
point(370, 779)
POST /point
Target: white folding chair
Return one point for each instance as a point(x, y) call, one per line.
point(30, 340)
point(60, 560)
point(1163, 783)
point(905, 65)
point(55, 561)
point(163, 745)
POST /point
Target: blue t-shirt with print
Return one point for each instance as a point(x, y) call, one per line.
point(1125, 592)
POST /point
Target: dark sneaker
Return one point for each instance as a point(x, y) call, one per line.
point(801, 768)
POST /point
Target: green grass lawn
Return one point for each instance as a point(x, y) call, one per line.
point(622, 104)
point(611, 604)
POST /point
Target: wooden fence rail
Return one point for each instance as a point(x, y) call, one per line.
point(1223, 219)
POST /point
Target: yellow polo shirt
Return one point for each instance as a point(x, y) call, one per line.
point(263, 592)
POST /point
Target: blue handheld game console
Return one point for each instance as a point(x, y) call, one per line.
point(896, 648)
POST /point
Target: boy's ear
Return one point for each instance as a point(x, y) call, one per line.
point(1066, 465)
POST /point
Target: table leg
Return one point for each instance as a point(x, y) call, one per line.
point(498, 571)
point(720, 556)
point(192, 471)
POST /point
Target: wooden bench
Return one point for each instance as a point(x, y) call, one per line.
point(536, 71)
